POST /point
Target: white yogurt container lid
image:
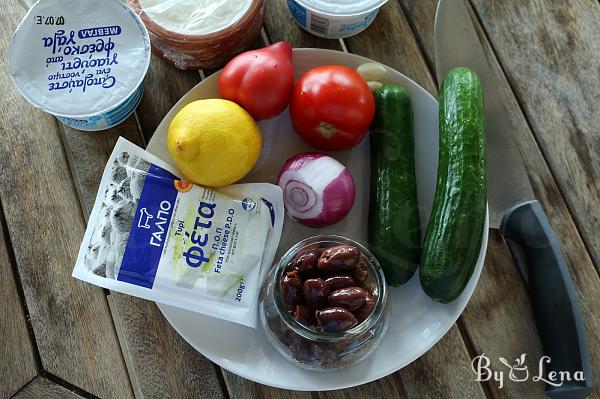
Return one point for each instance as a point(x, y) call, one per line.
point(76, 58)
point(342, 7)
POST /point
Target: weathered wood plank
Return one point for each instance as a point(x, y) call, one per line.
point(160, 363)
point(551, 54)
point(390, 40)
point(163, 87)
point(241, 388)
point(41, 387)
point(70, 319)
point(421, 16)
point(582, 269)
point(443, 372)
point(385, 388)
point(499, 320)
point(17, 366)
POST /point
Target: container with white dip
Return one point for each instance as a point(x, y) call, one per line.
point(200, 34)
point(83, 61)
point(334, 19)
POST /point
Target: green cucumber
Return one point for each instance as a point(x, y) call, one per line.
point(455, 228)
point(394, 225)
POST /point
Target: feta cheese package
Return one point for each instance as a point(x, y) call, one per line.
point(155, 236)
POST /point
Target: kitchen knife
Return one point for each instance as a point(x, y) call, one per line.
point(514, 210)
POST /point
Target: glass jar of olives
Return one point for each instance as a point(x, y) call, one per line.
point(325, 305)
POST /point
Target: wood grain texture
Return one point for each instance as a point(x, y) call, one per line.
point(160, 363)
point(499, 321)
point(421, 16)
point(385, 388)
point(443, 372)
point(280, 25)
point(17, 359)
point(41, 387)
point(550, 51)
point(241, 388)
point(70, 319)
point(544, 184)
point(163, 87)
point(578, 259)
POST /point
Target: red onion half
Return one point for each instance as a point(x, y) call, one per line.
point(317, 189)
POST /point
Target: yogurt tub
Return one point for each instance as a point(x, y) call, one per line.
point(81, 62)
point(334, 19)
point(200, 34)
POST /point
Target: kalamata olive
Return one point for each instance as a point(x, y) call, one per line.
point(365, 310)
point(335, 319)
point(350, 298)
point(304, 315)
point(291, 289)
point(341, 258)
point(305, 262)
point(316, 293)
point(337, 282)
point(361, 272)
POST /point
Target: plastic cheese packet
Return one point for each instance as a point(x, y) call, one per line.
point(157, 237)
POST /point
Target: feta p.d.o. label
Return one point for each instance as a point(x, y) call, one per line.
point(158, 237)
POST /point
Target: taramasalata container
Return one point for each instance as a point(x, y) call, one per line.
point(83, 61)
point(200, 34)
point(334, 19)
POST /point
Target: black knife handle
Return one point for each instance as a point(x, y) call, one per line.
point(553, 297)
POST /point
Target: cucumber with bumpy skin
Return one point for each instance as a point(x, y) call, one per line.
point(455, 228)
point(394, 225)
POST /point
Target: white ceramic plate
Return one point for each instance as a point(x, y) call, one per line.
point(417, 322)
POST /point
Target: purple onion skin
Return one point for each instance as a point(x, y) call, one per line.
point(338, 196)
point(298, 161)
point(339, 202)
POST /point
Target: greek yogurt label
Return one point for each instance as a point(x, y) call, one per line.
point(81, 60)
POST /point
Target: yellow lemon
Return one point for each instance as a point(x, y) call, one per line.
point(214, 142)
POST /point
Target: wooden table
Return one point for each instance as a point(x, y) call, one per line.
point(65, 338)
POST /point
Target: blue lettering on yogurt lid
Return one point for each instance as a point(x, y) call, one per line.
point(75, 58)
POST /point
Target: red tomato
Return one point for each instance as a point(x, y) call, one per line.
point(260, 81)
point(332, 107)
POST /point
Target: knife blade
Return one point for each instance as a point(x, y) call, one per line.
point(515, 211)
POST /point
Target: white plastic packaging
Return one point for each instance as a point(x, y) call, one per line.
point(195, 17)
point(82, 61)
point(200, 34)
point(157, 237)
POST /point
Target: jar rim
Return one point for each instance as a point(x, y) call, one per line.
point(357, 330)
